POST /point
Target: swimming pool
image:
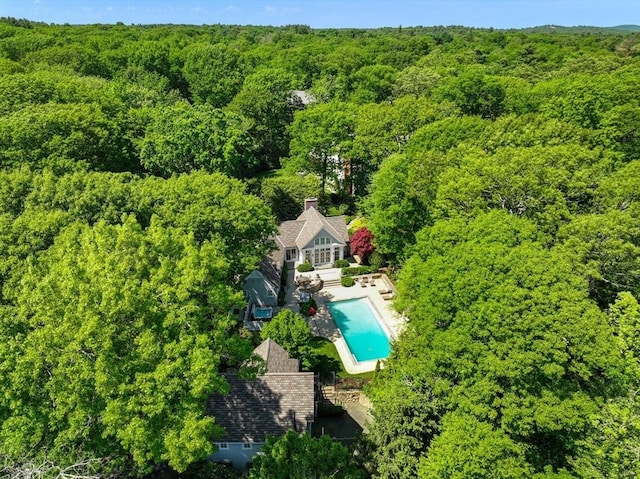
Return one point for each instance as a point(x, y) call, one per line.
point(360, 328)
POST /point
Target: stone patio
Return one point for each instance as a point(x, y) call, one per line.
point(322, 324)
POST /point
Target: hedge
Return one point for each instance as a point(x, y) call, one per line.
point(358, 270)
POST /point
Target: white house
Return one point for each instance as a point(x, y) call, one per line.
point(313, 237)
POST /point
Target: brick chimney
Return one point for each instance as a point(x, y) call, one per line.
point(309, 202)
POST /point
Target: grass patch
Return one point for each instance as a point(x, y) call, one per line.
point(329, 360)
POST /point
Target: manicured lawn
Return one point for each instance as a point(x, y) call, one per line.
point(330, 360)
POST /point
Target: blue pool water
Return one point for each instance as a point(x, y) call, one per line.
point(360, 328)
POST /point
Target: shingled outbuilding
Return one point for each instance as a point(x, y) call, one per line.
point(281, 399)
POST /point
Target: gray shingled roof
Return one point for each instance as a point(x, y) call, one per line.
point(269, 272)
point(276, 359)
point(289, 231)
point(270, 405)
point(300, 232)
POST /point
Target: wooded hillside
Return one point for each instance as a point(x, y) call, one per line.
point(142, 171)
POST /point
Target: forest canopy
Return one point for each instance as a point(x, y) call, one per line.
point(143, 170)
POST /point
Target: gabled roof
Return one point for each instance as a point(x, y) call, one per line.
point(289, 231)
point(276, 359)
point(271, 404)
point(300, 232)
point(266, 271)
point(269, 271)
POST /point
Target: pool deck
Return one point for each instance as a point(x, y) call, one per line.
point(322, 323)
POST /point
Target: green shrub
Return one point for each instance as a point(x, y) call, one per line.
point(305, 267)
point(347, 281)
point(283, 275)
point(341, 263)
point(376, 260)
point(358, 270)
point(282, 297)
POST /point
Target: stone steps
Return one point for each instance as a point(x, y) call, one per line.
point(329, 283)
point(328, 392)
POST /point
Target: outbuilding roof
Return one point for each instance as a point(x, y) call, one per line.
point(271, 404)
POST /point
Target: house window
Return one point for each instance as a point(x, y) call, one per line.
point(246, 445)
point(270, 293)
point(223, 445)
point(321, 241)
point(322, 256)
point(291, 254)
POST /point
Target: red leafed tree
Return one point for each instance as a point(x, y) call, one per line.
point(361, 243)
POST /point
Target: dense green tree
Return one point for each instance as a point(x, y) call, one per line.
point(607, 248)
point(214, 208)
point(416, 81)
point(300, 456)
point(373, 83)
point(65, 136)
point(501, 329)
point(620, 129)
point(405, 421)
point(115, 345)
point(267, 100)
point(79, 58)
point(286, 194)
point(291, 331)
point(383, 129)
point(448, 133)
point(211, 207)
point(611, 449)
point(619, 190)
point(530, 130)
point(44, 86)
point(544, 184)
point(584, 99)
point(321, 137)
point(476, 94)
point(185, 138)
point(401, 200)
point(214, 73)
point(472, 449)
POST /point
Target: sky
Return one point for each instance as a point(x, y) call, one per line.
point(331, 13)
